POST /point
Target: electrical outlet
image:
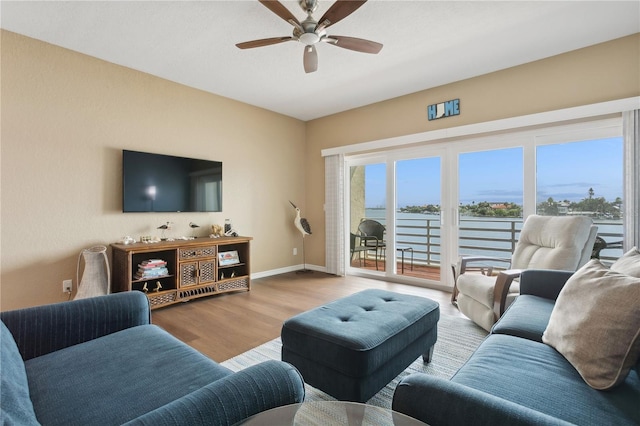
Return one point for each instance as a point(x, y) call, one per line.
point(295, 251)
point(67, 286)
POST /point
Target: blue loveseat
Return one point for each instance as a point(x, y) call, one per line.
point(99, 361)
point(513, 378)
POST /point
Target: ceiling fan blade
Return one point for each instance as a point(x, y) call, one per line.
point(352, 43)
point(310, 59)
point(263, 42)
point(338, 11)
point(278, 8)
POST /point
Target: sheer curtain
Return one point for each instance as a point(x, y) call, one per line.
point(631, 129)
point(334, 213)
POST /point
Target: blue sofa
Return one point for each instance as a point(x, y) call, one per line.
point(515, 379)
point(100, 361)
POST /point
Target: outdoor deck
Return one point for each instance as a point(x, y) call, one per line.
point(418, 271)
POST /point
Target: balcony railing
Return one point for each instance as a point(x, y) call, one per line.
point(481, 236)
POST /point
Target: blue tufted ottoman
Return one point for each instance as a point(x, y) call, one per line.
point(353, 347)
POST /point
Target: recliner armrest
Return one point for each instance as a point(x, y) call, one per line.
point(437, 401)
point(48, 328)
point(543, 282)
point(501, 290)
point(464, 261)
point(463, 265)
point(233, 398)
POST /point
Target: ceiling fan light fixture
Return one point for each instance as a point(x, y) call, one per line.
point(309, 39)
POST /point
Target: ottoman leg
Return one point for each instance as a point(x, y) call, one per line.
point(426, 357)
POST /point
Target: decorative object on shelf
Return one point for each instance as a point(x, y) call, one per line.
point(305, 229)
point(216, 231)
point(164, 228)
point(226, 258)
point(145, 288)
point(158, 286)
point(151, 268)
point(228, 229)
point(96, 276)
point(193, 226)
point(127, 240)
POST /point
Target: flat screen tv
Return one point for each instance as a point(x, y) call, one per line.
point(164, 183)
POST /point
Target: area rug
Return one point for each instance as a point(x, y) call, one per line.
point(458, 338)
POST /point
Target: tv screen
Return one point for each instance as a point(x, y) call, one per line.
point(164, 183)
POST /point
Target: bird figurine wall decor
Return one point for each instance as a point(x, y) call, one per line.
point(303, 226)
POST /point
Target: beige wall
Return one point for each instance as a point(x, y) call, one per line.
point(66, 117)
point(595, 74)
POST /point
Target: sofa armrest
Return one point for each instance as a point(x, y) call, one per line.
point(48, 328)
point(233, 398)
point(437, 401)
point(543, 282)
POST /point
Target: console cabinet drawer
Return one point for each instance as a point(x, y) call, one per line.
point(190, 253)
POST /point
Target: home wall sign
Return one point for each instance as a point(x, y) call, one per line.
point(444, 109)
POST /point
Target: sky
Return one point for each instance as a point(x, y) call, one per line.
point(564, 172)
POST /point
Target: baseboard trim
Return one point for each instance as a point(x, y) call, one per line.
point(288, 269)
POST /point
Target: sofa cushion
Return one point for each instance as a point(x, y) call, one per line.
point(629, 263)
point(527, 317)
point(116, 378)
point(15, 403)
point(595, 324)
point(536, 376)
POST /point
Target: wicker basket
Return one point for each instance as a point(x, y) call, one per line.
point(157, 299)
point(237, 284)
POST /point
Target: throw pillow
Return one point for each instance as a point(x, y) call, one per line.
point(595, 324)
point(15, 404)
point(629, 263)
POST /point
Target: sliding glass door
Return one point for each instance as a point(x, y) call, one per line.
point(417, 237)
point(584, 178)
point(367, 216)
point(491, 197)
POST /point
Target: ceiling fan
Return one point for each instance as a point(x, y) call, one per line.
point(310, 32)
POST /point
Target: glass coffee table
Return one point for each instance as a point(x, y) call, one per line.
point(325, 413)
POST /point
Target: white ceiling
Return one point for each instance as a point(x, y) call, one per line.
point(426, 43)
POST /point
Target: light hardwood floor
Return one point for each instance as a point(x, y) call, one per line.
point(227, 325)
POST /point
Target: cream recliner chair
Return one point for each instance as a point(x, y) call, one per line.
point(546, 242)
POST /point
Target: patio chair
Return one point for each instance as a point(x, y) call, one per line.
point(371, 233)
point(546, 242)
point(355, 244)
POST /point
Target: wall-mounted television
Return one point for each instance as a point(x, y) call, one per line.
point(165, 183)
